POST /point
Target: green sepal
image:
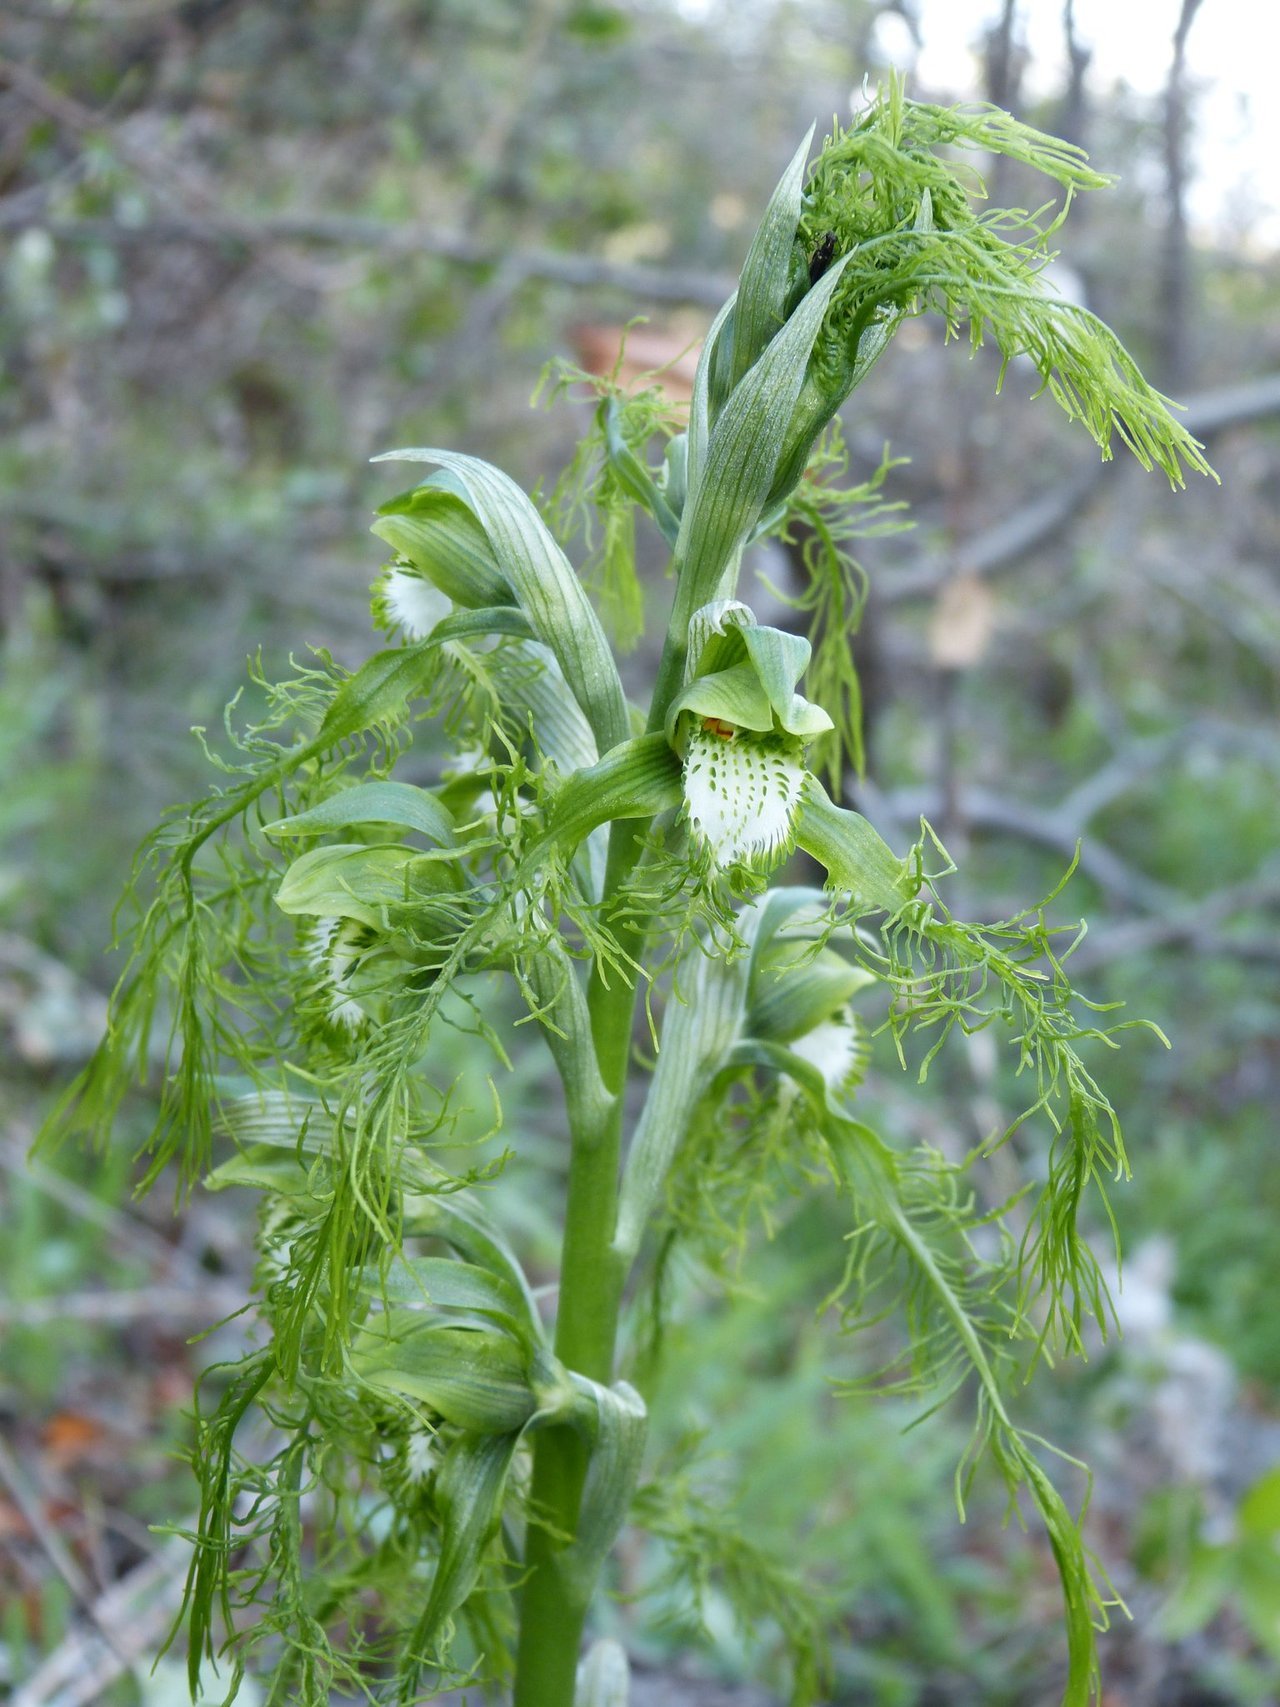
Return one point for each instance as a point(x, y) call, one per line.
point(398, 803)
point(703, 1021)
point(788, 999)
point(352, 881)
point(753, 684)
point(713, 643)
point(475, 1378)
point(859, 862)
point(544, 585)
point(435, 529)
point(777, 1058)
point(736, 695)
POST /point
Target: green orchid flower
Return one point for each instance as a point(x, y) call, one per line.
point(741, 730)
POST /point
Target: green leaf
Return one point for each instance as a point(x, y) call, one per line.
point(446, 1284)
point(702, 1022)
point(698, 436)
point(265, 1167)
point(859, 862)
point(761, 306)
point(636, 780)
point(474, 1378)
point(545, 587)
point(266, 1115)
point(503, 620)
point(827, 384)
point(469, 1494)
point(351, 881)
point(604, 1678)
point(377, 693)
point(529, 682)
point(745, 446)
point(1259, 1511)
point(460, 1220)
point(615, 1423)
point(398, 803)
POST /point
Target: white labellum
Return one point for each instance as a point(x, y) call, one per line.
point(333, 949)
point(410, 603)
point(834, 1048)
point(742, 791)
point(421, 1455)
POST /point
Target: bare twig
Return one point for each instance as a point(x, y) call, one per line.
point(28, 1502)
point(1195, 925)
point(161, 1304)
point(985, 811)
point(581, 272)
point(1138, 758)
point(200, 217)
point(1003, 546)
point(1175, 321)
point(1040, 520)
point(139, 1610)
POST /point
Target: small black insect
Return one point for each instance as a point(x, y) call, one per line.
point(822, 257)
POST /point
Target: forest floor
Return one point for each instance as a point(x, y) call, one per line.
point(102, 1323)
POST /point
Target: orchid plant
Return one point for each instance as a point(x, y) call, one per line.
point(413, 1476)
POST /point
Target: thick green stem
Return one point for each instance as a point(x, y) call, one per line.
point(553, 1607)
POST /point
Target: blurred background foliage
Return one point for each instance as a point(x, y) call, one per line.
point(248, 243)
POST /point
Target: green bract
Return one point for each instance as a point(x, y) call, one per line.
point(311, 937)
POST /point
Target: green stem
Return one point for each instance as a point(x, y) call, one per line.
point(553, 1608)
